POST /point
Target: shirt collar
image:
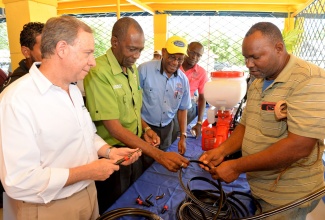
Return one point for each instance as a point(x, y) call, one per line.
point(42, 83)
point(194, 68)
point(116, 67)
point(283, 76)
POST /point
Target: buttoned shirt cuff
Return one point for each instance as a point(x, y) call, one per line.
point(58, 178)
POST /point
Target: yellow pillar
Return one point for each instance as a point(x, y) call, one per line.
point(289, 24)
point(160, 28)
point(118, 9)
point(20, 12)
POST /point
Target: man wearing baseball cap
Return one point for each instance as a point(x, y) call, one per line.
point(166, 93)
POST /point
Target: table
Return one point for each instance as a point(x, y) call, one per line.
point(157, 180)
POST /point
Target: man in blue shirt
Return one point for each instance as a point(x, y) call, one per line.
point(166, 92)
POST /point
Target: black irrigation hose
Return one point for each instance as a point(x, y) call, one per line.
point(215, 204)
point(117, 213)
point(226, 206)
point(211, 204)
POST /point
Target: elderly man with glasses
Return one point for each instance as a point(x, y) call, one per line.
point(166, 92)
point(197, 77)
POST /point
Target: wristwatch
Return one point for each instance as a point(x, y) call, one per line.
point(146, 129)
point(108, 150)
point(185, 135)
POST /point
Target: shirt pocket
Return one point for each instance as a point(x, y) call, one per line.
point(176, 100)
point(151, 96)
point(270, 126)
point(124, 99)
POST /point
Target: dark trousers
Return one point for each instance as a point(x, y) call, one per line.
point(191, 115)
point(111, 189)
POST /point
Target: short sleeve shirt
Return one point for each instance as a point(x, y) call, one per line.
point(162, 96)
point(301, 86)
point(112, 94)
point(197, 77)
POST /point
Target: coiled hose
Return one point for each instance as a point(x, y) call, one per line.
point(211, 204)
point(117, 213)
point(216, 204)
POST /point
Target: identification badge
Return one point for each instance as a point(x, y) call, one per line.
point(268, 106)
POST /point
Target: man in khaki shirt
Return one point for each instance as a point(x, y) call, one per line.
point(281, 149)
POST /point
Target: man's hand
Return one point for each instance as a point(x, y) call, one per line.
point(172, 161)
point(182, 145)
point(212, 158)
point(131, 155)
point(101, 169)
point(151, 137)
point(197, 130)
point(226, 171)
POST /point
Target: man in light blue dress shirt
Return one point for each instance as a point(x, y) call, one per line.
point(166, 92)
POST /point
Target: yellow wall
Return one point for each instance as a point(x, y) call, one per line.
point(21, 12)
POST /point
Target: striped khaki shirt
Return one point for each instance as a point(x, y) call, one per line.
point(302, 86)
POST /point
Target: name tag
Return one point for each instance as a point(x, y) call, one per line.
point(268, 106)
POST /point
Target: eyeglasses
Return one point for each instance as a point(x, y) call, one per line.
point(192, 53)
point(172, 58)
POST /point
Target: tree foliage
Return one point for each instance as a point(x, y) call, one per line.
point(290, 38)
point(226, 52)
point(4, 34)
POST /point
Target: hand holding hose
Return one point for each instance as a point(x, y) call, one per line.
point(212, 158)
point(226, 171)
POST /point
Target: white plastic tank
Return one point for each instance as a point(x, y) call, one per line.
point(225, 89)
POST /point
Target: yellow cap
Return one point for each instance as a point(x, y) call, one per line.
point(176, 44)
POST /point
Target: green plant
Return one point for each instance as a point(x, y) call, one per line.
point(290, 38)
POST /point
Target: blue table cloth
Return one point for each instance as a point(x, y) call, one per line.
point(157, 180)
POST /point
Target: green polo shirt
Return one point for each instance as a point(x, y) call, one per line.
point(302, 86)
point(111, 94)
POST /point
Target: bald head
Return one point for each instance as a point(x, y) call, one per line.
point(268, 30)
point(195, 51)
point(264, 51)
point(194, 45)
point(127, 41)
point(121, 27)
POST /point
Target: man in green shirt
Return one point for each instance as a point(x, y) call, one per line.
point(114, 100)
